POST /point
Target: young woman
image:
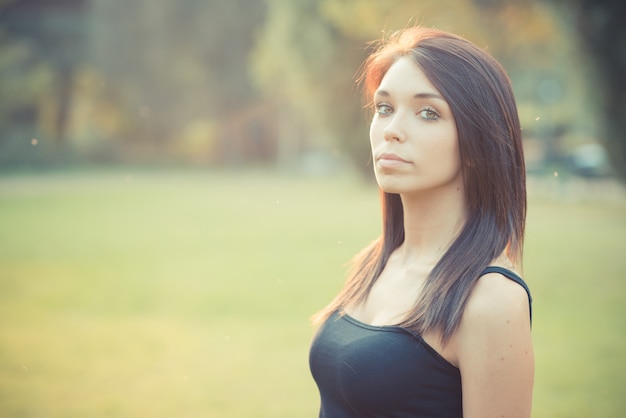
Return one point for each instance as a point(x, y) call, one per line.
point(433, 320)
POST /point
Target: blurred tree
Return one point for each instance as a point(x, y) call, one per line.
point(153, 78)
point(23, 77)
point(309, 51)
point(601, 26)
point(176, 67)
point(306, 67)
point(52, 35)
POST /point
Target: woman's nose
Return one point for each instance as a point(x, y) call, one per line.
point(394, 131)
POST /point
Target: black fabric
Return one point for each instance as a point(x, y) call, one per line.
point(384, 371)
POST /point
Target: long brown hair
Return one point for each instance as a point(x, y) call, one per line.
point(481, 99)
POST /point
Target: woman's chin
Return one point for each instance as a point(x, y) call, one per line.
point(388, 185)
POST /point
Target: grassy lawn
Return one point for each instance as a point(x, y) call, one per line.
point(188, 293)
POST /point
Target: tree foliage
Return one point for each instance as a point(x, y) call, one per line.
point(42, 46)
point(140, 80)
point(178, 69)
point(306, 67)
point(239, 80)
point(309, 51)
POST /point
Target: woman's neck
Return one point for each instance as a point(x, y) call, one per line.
point(431, 223)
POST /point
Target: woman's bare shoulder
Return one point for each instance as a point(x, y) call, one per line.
point(495, 298)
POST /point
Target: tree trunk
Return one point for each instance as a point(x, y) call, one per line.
point(64, 95)
point(602, 30)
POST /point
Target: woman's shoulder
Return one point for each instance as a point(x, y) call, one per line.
point(496, 304)
point(496, 292)
point(500, 289)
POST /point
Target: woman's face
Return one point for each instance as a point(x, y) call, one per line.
point(413, 134)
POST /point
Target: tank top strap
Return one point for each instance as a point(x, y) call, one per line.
point(517, 279)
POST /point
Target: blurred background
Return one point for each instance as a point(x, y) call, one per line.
point(182, 184)
point(224, 83)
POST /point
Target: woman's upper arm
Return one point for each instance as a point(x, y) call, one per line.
point(494, 350)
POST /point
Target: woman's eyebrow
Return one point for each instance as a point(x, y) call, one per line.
point(428, 96)
point(424, 95)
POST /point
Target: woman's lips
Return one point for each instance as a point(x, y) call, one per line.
point(391, 160)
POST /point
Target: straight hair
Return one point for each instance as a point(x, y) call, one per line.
point(481, 99)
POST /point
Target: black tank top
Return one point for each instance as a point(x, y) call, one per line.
point(364, 371)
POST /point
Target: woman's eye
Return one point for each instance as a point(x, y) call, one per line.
point(429, 114)
point(383, 109)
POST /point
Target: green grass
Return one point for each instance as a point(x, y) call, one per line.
point(188, 293)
